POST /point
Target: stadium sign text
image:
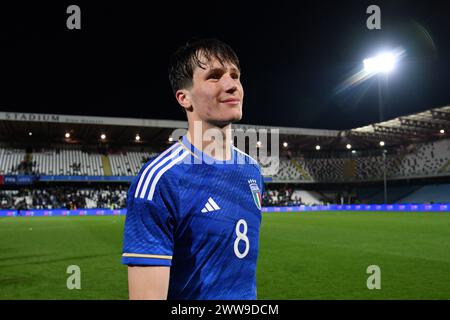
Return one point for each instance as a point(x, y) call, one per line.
point(32, 117)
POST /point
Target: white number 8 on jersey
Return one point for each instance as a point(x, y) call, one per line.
point(241, 236)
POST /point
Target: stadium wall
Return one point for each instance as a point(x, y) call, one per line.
point(443, 207)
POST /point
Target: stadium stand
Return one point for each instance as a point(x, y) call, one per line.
point(129, 163)
point(306, 197)
point(67, 162)
point(10, 160)
point(426, 159)
point(376, 195)
point(304, 174)
point(72, 162)
point(71, 198)
point(437, 193)
point(287, 171)
point(286, 195)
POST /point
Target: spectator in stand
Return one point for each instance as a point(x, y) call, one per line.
point(63, 198)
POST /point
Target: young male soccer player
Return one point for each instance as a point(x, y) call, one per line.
point(194, 211)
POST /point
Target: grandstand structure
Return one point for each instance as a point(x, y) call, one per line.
point(410, 148)
point(428, 159)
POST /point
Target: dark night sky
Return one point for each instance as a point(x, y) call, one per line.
point(293, 55)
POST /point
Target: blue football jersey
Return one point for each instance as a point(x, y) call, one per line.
point(201, 217)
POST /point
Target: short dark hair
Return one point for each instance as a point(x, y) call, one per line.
point(186, 58)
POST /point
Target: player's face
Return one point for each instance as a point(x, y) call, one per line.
point(217, 94)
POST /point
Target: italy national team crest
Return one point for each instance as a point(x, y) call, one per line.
point(256, 193)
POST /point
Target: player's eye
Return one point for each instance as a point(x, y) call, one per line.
point(215, 76)
point(235, 75)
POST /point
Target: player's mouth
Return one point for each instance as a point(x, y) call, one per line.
point(233, 101)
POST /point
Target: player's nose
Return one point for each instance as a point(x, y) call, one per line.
point(229, 84)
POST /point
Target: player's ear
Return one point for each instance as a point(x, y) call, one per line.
point(184, 99)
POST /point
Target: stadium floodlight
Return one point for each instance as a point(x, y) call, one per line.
point(285, 144)
point(67, 135)
point(442, 131)
point(353, 151)
point(103, 136)
point(30, 133)
point(317, 147)
point(137, 138)
point(170, 139)
point(384, 62)
point(381, 65)
point(348, 146)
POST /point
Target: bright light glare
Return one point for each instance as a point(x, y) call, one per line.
point(349, 146)
point(442, 131)
point(317, 147)
point(381, 143)
point(382, 63)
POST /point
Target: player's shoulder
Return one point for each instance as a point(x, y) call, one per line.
point(161, 171)
point(245, 158)
point(242, 155)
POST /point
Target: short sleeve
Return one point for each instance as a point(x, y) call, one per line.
point(148, 232)
point(263, 187)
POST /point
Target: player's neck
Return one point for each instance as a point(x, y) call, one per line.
point(211, 140)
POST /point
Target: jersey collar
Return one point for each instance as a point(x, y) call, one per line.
point(203, 157)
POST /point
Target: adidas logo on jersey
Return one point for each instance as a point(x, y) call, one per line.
point(211, 205)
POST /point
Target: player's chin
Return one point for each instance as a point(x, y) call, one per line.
point(233, 114)
point(227, 115)
point(236, 116)
point(224, 121)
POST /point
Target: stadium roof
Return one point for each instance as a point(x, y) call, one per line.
point(15, 127)
point(51, 128)
point(418, 127)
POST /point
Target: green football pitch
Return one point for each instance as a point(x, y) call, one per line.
point(313, 255)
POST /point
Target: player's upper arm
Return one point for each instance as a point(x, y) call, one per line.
point(148, 235)
point(148, 283)
point(150, 222)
